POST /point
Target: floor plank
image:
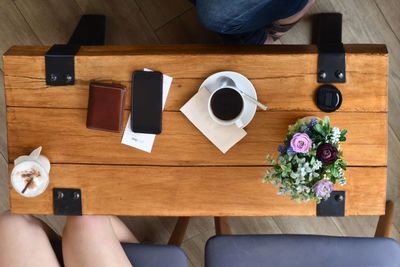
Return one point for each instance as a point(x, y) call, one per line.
point(196, 225)
point(4, 195)
point(390, 9)
point(3, 125)
point(393, 187)
point(148, 229)
point(53, 21)
point(307, 225)
point(159, 12)
point(125, 24)
point(13, 28)
point(194, 247)
point(186, 29)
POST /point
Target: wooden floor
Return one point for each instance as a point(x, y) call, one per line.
point(175, 21)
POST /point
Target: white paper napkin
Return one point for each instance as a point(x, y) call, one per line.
point(144, 141)
point(223, 137)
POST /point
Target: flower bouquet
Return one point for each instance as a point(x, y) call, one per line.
point(310, 161)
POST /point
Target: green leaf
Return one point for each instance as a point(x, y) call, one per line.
point(327, 123)
point(334, 171)
point(319, 129)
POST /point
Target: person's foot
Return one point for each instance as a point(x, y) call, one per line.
point(282, 26)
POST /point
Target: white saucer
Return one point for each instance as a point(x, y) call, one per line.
point(243, 84)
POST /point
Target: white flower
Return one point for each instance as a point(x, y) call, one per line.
point(335, 135)
point(317, 165)
point(294, 175)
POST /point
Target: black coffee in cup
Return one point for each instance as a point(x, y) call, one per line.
point(226, 104)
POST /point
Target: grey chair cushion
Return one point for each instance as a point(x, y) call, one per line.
point(301, 250)
point(142, 255)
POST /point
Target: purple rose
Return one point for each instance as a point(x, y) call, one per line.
point(327, 154)
point(300, 143)
point(323, 189)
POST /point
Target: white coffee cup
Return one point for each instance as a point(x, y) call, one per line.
point(223, 83)
point(27, 167)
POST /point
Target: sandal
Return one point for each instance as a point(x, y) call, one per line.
point(278, 30)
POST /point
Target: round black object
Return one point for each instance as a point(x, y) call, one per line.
point(328, 98)
point(226, 104)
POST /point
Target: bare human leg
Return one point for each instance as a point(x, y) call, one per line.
point(124, 235)
point(92, 241)
point(24, 242)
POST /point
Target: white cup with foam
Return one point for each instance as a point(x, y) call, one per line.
point(30, 175)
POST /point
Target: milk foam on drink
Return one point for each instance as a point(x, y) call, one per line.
point(30, 176)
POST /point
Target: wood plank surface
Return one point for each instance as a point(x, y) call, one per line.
point(58, 18)
point(53, 115)
point(390, 9)
point(125, 23)
point(3, 121)
point(159, 12)
point(180, 142)
point(187, 29)
point(292, 79)
point(128, 190)
point(14, 28)
point(4, 192)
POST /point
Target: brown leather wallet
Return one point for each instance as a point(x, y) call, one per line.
point(106, 106)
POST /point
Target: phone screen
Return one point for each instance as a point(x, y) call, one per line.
point(146, 116)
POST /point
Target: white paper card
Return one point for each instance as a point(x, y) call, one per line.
point(144, 141)
point(223, 137)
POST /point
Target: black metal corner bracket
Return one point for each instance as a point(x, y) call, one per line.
point(60, 59)
point(331, 53)
point(60, 65)
point(333, 206)
point(67, 201)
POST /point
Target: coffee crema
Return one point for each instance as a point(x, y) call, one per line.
point(226, 104)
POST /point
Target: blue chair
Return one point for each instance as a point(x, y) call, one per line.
point(301, 251)
point(144, 255)
point(306, 250)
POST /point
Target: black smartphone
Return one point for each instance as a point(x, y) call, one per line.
point(146, 115)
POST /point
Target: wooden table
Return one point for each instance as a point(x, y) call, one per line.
point(186, 175)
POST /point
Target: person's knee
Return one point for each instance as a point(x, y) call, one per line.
point(15, 222)
point(87, 224)
point(214, 17)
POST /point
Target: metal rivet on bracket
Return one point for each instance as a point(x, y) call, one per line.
point(339, 74)
point(76, 195)
point(53, 77)
point(322, 74)
point(339, 198)
point(68, 78)
point(60, 195)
